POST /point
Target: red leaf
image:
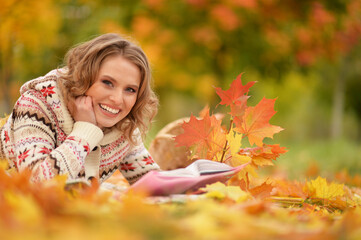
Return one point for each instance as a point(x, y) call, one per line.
point(233, 94)
point(195, 131)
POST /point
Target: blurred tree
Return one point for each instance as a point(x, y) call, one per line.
point(219, 39)
point(333, 36)
point(196, 44)
point(27, 29)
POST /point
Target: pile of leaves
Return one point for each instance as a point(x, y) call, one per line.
point(249, 207)
point(278, 209)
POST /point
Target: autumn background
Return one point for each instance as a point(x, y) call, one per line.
point(304, 53)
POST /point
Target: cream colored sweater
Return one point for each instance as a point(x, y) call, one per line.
point(41, 135)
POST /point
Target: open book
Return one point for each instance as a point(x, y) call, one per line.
point(193, 177)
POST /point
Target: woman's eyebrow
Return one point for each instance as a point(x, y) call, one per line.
point(134, 86)
point(114, 80)
point(107, 76)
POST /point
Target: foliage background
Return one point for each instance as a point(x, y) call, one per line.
point(305, 53)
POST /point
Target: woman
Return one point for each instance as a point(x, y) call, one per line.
point(87, 119)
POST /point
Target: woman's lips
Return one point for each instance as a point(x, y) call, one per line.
point(109, 109)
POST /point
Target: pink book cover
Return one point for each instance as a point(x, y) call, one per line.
point(163, 183)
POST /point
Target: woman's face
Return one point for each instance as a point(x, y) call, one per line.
point(114, 91)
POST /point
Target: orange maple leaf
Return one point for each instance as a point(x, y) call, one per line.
point(234, 94)
point(262, 191)
point(206, 135)
point(262, 156)
point(283, 188)
point(255, 122)
point(195, 131)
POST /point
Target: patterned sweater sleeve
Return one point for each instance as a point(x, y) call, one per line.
point(137, 162)
point(35, 137)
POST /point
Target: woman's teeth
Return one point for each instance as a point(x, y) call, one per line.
point(109, 109)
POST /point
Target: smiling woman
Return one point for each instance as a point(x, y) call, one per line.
point(86, 119)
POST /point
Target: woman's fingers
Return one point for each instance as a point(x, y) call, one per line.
point(82, 109)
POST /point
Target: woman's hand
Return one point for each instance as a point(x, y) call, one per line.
point(81, 109)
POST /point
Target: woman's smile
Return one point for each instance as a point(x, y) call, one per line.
point(109, 109)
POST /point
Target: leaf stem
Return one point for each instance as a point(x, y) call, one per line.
point(225, 145)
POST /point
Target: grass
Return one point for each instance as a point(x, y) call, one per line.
point(328, 156)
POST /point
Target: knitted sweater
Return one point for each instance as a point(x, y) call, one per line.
point(41, 135)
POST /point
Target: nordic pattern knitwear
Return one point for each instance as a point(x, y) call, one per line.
point(41, 135)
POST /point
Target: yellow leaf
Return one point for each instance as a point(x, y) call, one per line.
point(261, 161)
point(3, 120)
point(237, 160)
point(25, 209)
point(319, 188)
point(219, 190)
point(4, 164)
point(235, 141)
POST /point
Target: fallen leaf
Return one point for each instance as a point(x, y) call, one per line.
point(219, 190)
point(320, 188)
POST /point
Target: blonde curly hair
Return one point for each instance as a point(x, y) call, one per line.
point(83, 63)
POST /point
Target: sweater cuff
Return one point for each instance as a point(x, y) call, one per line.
point(87, 131)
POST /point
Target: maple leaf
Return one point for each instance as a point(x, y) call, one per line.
point(233, 94)
point(195, 131)
point(234, 159)
point(205, 136)
point(262, 191)
point(320, 188)
point(235, 141)
point(255, 122)
point(263, 156)
point(219, 190)
point(283, 188)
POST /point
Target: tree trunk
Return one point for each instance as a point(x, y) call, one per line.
point(338, 104)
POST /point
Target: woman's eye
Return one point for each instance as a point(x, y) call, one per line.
point(132, 90)
point(107, 82)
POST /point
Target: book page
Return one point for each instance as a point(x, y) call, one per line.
point(181, 172)
point(208, 167)
point(198, 168)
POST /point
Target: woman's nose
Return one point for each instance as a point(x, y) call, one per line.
point(117, 98)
